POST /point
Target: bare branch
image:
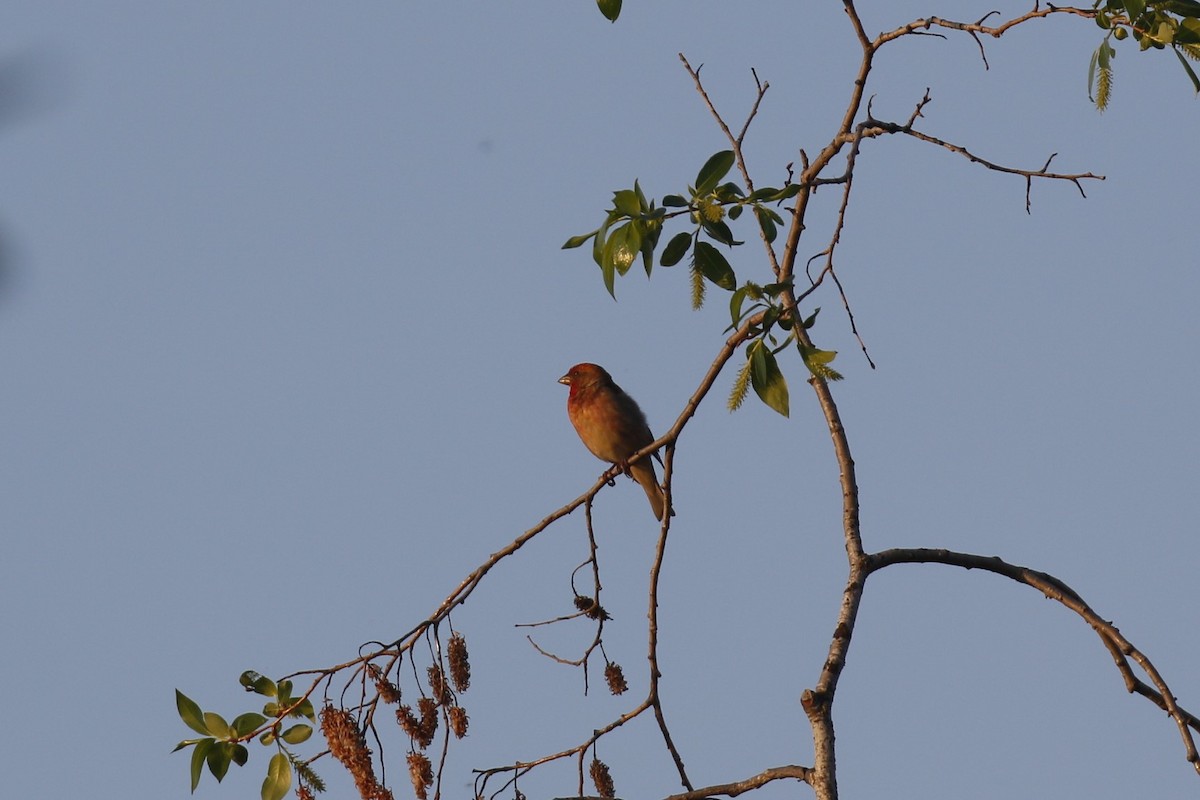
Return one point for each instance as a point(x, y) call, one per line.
point(978, 27)
point(738, 787)
point(1054, 588)
point(871, 128)
point(652, 629)
point(761, 90)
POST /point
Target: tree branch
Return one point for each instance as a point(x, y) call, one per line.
point(1054, 588)
point(871, 128)
point(757, 781)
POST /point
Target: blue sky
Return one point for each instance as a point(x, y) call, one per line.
point(282, 306)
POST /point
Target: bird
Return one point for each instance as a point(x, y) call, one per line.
point(612, 426)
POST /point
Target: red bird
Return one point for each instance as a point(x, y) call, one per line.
point(612, 426)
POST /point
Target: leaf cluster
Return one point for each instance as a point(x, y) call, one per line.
point(221, 742)
point(633, 226)
point(709, 205)
point(1157, 24)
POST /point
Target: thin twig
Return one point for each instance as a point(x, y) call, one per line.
point(735, 142)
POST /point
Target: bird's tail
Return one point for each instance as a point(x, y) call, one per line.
point(643, 473)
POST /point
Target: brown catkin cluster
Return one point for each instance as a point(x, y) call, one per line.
point(458, 721)
point(615, 676)
point(421, 772)
point(429, 719)
point(388, 691)
point(460, 667)
point(420, 729)
point(408, 722)
point(602, 778)
point(303, 793)
point(348, 745)
point(438, 686)
point(590, 608)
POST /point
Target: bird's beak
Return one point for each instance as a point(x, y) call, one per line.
point(565, 380)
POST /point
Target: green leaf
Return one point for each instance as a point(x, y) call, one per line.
point(263, 685)
point(653, 230)
point(776, 289)
point(1165, 32)
point(717, 166)
point(622, 248)
point(598, 242)
point(267, 737)
point(573, 242)
point(185, 743)
point(812, 320)
point(1092, 64)
point(199, 756)
point(730, 192)
point(735, 305)
point(818, 362)
point(216, 725)
point(611, 9)
point(1188, 69)
point(763, 193)
point(626, 203)
point(1184, 8)
point(713, 265)
point(285, 692)
point(219, 758)
point(305, 709)
point(240, 755)
point(676, 249)
point(643, 205)
point(279, 778)
point(788, 192)
point(190, 713)
point(636, 237)
point(766, 224)
point(768, 382)
point(1189, 32)
point(245, 723)
point(675, 201)
point(1135, 8)
point(297, 734)
point(720, 232)
point(770, 317)
point(608, 273)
